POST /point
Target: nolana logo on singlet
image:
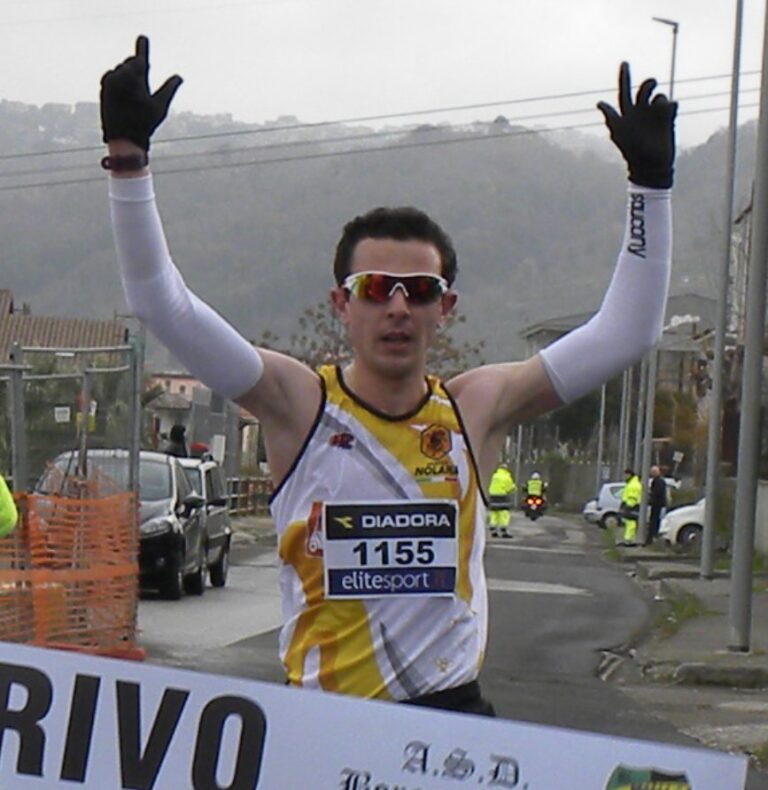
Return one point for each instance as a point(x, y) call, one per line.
point(424, 519)
point(624, 778)
point(437, 470)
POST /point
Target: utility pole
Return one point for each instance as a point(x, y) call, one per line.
point(600, 441)
point(714, 430)
point(653, 356)
point(740, 609)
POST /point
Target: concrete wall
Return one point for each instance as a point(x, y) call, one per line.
point(569, 487)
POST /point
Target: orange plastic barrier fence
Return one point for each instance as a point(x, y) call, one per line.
point(69, 572)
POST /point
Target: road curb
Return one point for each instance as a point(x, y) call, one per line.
point(701, 674)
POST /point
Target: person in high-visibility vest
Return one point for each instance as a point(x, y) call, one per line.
point(630, 504)
point(501, 486)
point(535, 485)
point(8, 513)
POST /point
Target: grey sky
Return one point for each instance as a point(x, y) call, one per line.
point(338, 59)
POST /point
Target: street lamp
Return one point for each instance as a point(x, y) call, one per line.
point(650, 388)
point(674, 26)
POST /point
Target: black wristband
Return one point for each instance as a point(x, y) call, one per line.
point(125, 164)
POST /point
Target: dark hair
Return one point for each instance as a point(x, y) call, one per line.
point(177, 432)
point(403, 223)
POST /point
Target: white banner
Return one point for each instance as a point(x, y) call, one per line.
point(74, 721)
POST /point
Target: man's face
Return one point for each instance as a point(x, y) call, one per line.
point(392, 337)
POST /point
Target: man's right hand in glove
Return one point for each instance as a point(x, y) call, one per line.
point(130, 113)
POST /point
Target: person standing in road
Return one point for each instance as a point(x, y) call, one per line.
point(630, 505)
point(500, 489)
point(396, 613)
point(177, 442)
point(657, 502)
point(9, 515)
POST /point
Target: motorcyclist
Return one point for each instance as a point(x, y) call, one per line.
point(501, 486)
point(535, 485)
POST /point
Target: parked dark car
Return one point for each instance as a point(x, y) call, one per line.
point(206, 478)
point(172, 547)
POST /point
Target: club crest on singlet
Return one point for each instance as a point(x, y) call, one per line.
point(436, 442)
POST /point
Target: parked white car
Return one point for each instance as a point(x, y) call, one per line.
point(604, 511)
point(683, 525)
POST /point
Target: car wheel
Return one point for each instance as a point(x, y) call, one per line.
point(172, 586)
point(689, 535)
point(194, 584)
point(609, 521)
point(220, 568)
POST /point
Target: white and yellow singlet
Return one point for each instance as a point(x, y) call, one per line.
point(380, 525)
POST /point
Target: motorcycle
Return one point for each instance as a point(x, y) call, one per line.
point(534, 506)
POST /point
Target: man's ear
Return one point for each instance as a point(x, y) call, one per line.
point(339, 301)
point(447, 304)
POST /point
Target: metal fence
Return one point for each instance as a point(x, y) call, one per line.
point(59, 399)
point(249, 496)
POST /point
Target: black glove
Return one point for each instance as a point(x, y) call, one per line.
point(128, 110)
point(644, 132)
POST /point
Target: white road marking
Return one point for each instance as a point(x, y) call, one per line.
point(507, 546)
point(539, 588)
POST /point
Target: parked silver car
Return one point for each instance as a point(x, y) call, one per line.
point(206, 478)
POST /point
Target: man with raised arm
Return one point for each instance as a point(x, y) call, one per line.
point(379, 468)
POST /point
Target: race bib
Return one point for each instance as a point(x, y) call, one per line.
point(385, 549)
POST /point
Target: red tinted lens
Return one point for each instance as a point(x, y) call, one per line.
point(377, 287)
point(422, 289)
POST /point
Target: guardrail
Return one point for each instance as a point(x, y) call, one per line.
point(248, 496)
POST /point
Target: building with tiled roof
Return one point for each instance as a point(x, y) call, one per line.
point(41, 331)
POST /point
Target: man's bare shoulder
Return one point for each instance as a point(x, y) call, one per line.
point(285, 401)
point(507, 392)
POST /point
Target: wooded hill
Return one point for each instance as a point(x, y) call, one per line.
point(537, 224)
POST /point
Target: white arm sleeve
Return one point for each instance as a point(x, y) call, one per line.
point(630, 319)
point(209, 347)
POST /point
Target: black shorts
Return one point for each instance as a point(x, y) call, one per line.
point(462, 699)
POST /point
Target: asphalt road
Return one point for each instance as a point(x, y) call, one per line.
point(555, 606)
point(550, 626)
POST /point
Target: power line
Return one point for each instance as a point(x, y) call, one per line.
point(229, 152)
point(347, 152)
point(357, 119)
